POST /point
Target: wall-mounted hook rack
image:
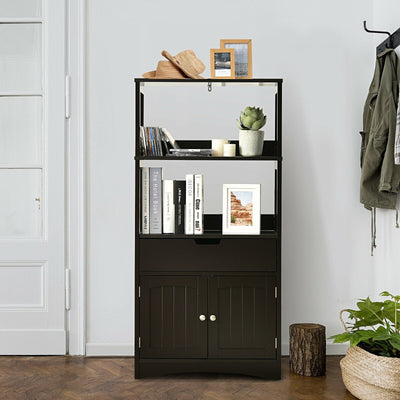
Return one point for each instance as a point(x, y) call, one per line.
point(391, 42)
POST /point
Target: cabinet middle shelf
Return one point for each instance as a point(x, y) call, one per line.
point(213, 231)
point(271, 152)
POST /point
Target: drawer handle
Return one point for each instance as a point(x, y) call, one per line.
point(213, 318)
point(202, 317)
point(207, 241)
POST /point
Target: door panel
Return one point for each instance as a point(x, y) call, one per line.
point(21, 130)
point(20, 8)
point(20, 211)
point(32, 177)
point(170, 307)
point(21, 57)
point(245, 310)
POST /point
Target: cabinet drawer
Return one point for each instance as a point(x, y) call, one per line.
point(202, 254)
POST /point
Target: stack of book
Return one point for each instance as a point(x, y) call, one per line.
point(156, 141)
point(190, 153)
point(171, 206)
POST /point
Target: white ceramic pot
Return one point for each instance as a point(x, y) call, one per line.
point(251, 143)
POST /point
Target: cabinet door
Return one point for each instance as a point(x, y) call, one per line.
point(245, 317)
point(170, 310)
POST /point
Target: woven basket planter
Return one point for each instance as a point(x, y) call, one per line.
point(370, 377)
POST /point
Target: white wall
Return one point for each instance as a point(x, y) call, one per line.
point(326, 60)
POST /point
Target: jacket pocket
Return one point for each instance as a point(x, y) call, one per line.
point(363, 147)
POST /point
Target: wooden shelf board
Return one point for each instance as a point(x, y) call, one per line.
point(210, 235)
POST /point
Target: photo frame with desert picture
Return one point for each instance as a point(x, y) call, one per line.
point(222, 63)
point(241, 209)
point(243, 56)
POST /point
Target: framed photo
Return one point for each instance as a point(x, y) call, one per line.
point(222, 63)
point(243, 56)
point(241, 209)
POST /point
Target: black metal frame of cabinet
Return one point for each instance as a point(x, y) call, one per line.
point(148, 265)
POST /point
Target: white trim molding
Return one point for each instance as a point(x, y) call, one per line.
point(76, 175)
point(332, 349)
point(109, 350)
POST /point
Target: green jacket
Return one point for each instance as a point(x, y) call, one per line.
point(380, 177)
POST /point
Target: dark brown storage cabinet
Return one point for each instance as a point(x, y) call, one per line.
point(210, 309)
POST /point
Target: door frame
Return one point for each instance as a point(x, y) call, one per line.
point(76, 177)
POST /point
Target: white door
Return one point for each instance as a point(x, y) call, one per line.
point(32, 209)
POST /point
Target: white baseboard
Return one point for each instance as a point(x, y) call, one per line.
point(332, 349)
point(109, 349)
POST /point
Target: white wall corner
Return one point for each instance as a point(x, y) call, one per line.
point(76, 251)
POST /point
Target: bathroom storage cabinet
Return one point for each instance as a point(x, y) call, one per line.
point(210, 302)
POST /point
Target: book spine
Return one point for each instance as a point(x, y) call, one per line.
point(189, 208)
point(153, 141)
point(154, 133)
point(150, 141)
point(158, 140)
point(145, 200)
point(198, 204)
point(168, 207)
point(165, 149)
point(155, 199)
point(179, 201)
point(143, 142)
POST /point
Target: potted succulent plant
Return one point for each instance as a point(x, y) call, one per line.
point(251, 138)
point(371, 367)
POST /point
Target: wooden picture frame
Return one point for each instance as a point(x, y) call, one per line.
point(222, 63)
point(241, 206)
point(243, 56)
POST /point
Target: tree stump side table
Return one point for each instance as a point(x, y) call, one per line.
point(307, 349)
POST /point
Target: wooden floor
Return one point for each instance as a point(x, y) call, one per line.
point(57, 378)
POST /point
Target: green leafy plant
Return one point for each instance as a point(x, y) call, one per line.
point(251, 119)
point(374, 326)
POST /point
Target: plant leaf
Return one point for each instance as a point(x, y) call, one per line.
point(395, 341)
point(355, 338)
point(341, 337)
point(381, 334)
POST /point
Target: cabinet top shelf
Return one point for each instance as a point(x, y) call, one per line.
point(219, 82)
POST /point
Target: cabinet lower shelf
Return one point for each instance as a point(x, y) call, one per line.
point(266, 369)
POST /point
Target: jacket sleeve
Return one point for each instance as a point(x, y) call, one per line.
point(389, 179)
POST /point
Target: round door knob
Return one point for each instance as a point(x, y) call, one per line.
point(213, 317)
point(202, 317)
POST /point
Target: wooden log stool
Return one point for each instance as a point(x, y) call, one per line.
point(307, 349)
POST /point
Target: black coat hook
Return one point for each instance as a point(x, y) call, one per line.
point(371, 31)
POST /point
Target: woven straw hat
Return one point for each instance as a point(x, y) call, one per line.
point(165, 70)
point(187, 61)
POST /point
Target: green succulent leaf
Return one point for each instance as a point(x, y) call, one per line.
point(239, 124)
point(248, 121)
point(259, 124)
point(252, 118)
